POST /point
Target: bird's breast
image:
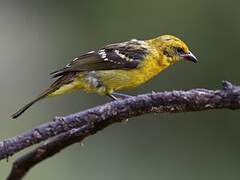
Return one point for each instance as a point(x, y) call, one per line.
point(116, 80)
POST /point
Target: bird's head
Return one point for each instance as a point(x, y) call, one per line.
point(173, 49)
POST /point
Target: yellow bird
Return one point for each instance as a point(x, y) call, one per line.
point(116, 67)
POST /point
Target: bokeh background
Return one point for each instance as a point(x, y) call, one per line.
point(37, 37)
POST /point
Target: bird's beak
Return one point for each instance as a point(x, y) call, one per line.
point(189, 57)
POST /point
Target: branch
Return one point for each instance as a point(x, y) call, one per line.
point(75, 127)
point(23, 164)
point(174, 101)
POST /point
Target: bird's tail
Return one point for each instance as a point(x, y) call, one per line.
point(23, 109)
point(66, 79)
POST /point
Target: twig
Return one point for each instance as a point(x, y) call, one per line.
point(93, 120)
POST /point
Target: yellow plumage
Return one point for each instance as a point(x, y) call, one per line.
point(78, 83)
point(117, 67)
point(116, 80)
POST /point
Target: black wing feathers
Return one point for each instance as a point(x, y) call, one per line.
point(125, 55)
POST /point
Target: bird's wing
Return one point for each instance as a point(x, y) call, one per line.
point(126, 55)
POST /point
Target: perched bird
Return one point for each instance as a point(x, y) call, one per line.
point(116, 67)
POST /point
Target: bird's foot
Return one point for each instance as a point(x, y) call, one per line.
point(121, 96)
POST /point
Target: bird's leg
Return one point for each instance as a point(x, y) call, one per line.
point(116, 96)
point(120, 95)
point(112, 97)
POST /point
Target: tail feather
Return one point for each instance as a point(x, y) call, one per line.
point(23, 109)
point(65, 79)
point(41, 96)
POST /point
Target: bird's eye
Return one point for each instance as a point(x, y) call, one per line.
point(179, 50)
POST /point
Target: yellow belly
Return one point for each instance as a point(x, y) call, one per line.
point(116, 80)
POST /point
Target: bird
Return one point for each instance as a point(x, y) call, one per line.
point(116, 67)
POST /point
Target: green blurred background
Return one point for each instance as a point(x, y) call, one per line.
point(37, 37)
